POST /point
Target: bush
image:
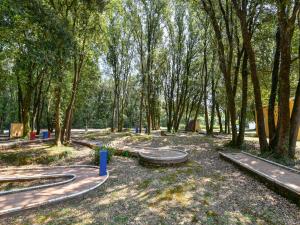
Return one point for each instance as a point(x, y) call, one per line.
point(125, 153)
point(110, 152)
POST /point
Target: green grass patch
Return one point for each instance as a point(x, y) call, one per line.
point(45, 156)
point(176, 193)
point(140, 138)
point(144, 184)
point(122, 219)
point(169, 179)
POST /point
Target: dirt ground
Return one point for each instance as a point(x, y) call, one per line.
point(205, 190)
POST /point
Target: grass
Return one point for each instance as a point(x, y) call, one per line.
point(139, 138)
point(144, 184)
point(173, 193)
point(43, 155)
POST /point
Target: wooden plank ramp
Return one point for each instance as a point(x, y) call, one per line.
point(281, 179)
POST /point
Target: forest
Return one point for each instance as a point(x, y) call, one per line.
point(152, 64)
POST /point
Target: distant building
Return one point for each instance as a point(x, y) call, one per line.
point(265, 111)
point(193, 127)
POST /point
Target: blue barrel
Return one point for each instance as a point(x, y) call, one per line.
point(103, 162)
point(45, 135)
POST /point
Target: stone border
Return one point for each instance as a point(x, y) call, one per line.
point(168, 160)
point(71, 176)
point(270, 182)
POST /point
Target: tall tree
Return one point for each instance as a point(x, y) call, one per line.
point(225, 63)
point(247, 31)
point(287, 12)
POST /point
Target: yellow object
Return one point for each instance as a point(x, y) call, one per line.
point(16, 130)
point(265, 111)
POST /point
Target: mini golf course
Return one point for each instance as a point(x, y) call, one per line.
point(79, 179)
point(82, 179)
point(281, 179)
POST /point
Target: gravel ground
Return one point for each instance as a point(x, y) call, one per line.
point(205, 190)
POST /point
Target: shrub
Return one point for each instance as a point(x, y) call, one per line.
point(110, 152)
point(125, 153)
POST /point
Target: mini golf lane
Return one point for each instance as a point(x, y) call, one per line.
point(147, 155)
point(163, 156)
point(86, 178)
point(281, 179)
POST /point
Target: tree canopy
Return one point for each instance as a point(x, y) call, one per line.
point(152, 64)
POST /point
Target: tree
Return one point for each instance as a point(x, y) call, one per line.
point(225, 63)
point(287, 12)
point(247, 32)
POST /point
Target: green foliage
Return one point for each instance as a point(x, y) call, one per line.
point(110, 153)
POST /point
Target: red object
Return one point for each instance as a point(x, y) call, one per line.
point(49, 134)
point(32, 135)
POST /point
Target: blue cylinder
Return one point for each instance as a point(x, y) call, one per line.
point(45, 134)
point(103, 162)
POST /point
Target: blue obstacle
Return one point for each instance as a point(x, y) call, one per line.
point(45, 134)
point(103, 162)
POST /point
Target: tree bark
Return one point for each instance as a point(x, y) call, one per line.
point(213, 104)
point(244, 100)
point(57, 114)
point(78, 63)
point(219, 117)
point(206, 95)
point(271, 120)
point(224, 63)
point(255, 81)
point(295, 118)
point(286, 25)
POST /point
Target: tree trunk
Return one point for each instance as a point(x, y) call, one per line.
point(67, 123)
point(57, 93)
point(25, 113)
point(286, 25)
point(284, 93)
point(205, 92)
point(49, 116)
point(213, 106)
point(112, 129)
point(226, 122)
point(141, 111)
point(219, 117)
point(295, 123)
point(197, 113)
point(224, 62)
point(295, 118)
point(241, 135)
point(255, 81)
point(271, 120)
